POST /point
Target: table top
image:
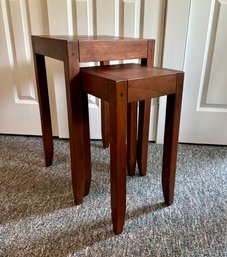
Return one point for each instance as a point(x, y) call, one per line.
point(92, 48)
point(87, 38)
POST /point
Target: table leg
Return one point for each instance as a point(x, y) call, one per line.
point(118, 114)
point(76, 122)
point(105, 123)
point(172, 123)
point(143, 134)
point(87, 148)
point(42, 89)
point(131, 138)
point(105, 117)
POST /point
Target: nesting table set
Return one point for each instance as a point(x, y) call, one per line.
point(122, 86)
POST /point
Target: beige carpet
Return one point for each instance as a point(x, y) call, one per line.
point(38, 218)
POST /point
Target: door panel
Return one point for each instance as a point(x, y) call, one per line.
point(204, 113)
point(212, 89)
point(174, 47)
point(200, 52)
point(19, 112)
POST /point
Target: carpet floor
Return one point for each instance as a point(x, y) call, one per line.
point(38, 217)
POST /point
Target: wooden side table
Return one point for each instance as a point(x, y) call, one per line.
point(72, 50)
point(132, 83)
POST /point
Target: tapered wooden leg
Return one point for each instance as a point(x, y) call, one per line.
point(44, 108)
point(87, 148)
point(118, 121)
point(105, 117)
point(143, 133)
point(76, 122)
point(131, 138)
point(105, 123)
point(173, 110)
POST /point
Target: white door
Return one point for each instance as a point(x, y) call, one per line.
point(18, 101)
point(196, 39)
point(19, 112)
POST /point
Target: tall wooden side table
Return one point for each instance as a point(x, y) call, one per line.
point(72, 50)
